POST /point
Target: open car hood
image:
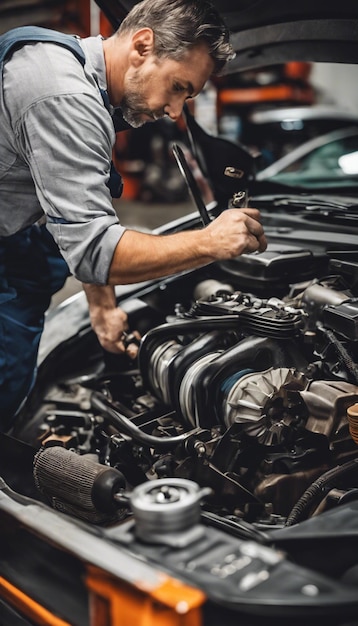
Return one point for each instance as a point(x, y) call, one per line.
point(266, 33)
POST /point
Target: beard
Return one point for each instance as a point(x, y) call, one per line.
point(132, 105)
point(131, 113)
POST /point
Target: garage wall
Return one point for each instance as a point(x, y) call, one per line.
point(337, 83)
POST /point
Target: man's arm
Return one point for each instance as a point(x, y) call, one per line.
point(108, 321)
point(140, 256)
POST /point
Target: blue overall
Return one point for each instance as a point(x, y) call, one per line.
point(31, 268)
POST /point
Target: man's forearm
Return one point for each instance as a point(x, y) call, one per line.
point(99, 296)
point(141, 256)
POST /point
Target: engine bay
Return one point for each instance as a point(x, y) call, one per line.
point(252, 396)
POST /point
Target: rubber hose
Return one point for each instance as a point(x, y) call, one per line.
point(123, 424)
point(317, 491)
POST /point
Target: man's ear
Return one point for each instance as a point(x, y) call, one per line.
point(142, 44)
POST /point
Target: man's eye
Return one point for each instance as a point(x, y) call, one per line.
point(177, 87)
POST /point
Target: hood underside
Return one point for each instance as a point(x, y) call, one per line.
point(268, 33)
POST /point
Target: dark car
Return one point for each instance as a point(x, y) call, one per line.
point(213, 479)
point(330, 159)
point(277, 132)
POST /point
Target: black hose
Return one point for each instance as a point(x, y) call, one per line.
point(125, 425)
point(344, 357)
point(316, 492)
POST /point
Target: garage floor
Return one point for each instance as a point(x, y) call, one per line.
point(139, 215)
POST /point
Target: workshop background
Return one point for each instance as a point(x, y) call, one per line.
point(154, 189)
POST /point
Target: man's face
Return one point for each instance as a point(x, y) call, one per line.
point(160, 87)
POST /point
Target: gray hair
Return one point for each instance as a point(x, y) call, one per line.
point(180, 25)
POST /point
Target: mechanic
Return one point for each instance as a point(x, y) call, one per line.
point(62, 99)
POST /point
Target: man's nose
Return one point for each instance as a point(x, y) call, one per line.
point(174, 108)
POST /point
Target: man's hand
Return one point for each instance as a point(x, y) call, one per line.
point(235, 232)
point(109, 322)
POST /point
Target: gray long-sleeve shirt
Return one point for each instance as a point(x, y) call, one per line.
point(56, 140)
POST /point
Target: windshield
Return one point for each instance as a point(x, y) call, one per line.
point(330, 160)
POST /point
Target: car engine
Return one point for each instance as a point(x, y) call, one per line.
point(252, 396)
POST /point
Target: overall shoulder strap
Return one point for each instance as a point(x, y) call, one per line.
point(17, 37)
